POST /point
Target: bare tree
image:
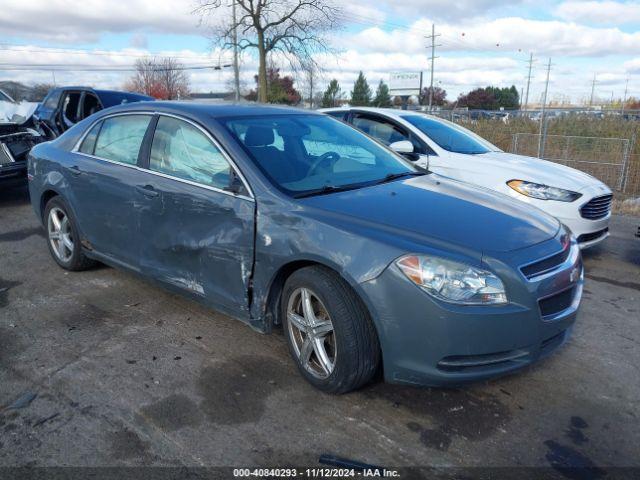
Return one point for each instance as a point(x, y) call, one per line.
point(294, 28)
point(173, 78)
point(162, 78)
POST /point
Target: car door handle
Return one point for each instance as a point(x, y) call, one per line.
point(75, 171)
point(147, 190)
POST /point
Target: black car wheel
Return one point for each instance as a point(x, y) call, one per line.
point(329, 331)
point(63, 237)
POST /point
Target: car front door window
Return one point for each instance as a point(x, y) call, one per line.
point(384, 131)
point(182, 150)
point(388, 133)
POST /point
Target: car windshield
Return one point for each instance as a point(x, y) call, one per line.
point(450, 136)
point(308, 154)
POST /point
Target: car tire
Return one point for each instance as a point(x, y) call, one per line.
point(336, 361)
point(63, 236)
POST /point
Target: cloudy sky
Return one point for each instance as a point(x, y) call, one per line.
point(482, 42)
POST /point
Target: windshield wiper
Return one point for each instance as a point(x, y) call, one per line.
point(393, 176)
point(326, 189)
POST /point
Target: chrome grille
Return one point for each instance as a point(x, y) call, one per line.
point(598, 207)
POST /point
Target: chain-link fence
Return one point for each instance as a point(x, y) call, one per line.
point(605, 158)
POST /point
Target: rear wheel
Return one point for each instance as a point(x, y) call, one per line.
point(63, 237)
point(330, 335)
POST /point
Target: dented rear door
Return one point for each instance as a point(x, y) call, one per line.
point(196, 236)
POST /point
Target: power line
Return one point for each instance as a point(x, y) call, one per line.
point(99, 68)
point(11, 47)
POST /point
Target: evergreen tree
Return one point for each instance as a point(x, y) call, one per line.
point(383, 99)
point(361, 94)
point(331, 95)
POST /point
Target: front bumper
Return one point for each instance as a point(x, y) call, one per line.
point(588, 232)
point(432, 343)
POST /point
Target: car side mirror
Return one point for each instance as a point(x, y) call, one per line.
point(403, 146)
point(235, 184)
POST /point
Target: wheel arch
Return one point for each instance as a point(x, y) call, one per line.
point(276, 286)
point(45, 197)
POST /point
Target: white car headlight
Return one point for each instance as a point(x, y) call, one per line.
point(453, 282)
point(543, 192)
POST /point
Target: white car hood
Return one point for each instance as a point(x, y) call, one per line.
point(519, 167)
point(16, 112)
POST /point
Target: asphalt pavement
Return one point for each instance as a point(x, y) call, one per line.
point(101, 368)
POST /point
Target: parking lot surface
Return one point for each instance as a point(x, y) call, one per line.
point(101, 368)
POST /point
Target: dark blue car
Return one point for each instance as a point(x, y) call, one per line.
point(63, 107)
point(283, 217)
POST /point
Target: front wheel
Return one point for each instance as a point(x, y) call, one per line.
point(330, 334)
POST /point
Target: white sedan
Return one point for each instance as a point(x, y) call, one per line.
point(578, 200)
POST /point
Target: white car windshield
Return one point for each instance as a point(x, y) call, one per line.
point(450, 136)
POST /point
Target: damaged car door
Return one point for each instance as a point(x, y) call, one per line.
point(197, 217)
point(103, 173)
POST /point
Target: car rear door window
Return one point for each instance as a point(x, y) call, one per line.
point(120, 138)
point(183, 151)
point(89, 143)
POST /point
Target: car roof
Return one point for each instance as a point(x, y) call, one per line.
point(391, 112)
point(211, 110)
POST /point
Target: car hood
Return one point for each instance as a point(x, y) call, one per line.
point(433, 207)
point(531, 169)
point(18, 113)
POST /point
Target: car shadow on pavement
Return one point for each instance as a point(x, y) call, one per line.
point(14, 195)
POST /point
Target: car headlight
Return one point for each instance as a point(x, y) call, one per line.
point(543, 192)
point(453, 282)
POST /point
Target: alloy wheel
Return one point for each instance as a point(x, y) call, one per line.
point(60, 236)
point(311, 332)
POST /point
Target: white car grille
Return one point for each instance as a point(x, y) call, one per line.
point(598, 207)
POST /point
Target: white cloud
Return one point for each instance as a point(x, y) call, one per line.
point(476, 50)
point(506, 35)
point(632, 66)
point(83, 22)
point(444, 9)
point(601, 13)
point(139, 40)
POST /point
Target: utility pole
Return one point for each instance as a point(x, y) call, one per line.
point(593, 88)
point(521, 92)
point(236, 66)
point(526, 95)
point(544, 105)
point(624, 98)
point(433, 59)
